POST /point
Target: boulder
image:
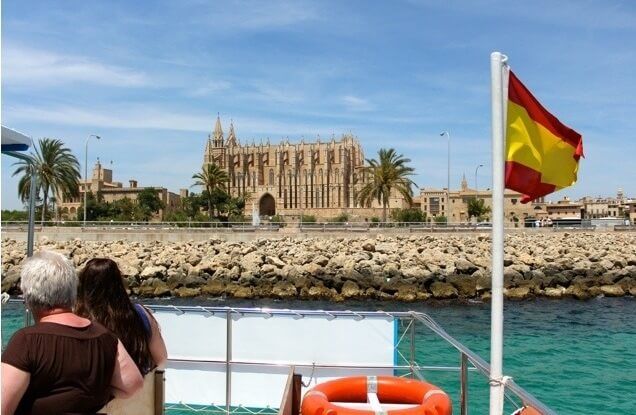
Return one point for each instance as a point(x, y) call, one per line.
point(213, 287)
point(554, 292)
point(153, 271)
point(517, 293)
point(284, 289)
point(612, 290)
point(443, 290)
point(350, 290)
point(185, 292)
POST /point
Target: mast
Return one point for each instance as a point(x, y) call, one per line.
point(497, 61)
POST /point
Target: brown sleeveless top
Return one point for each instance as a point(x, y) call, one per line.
point(71, 368)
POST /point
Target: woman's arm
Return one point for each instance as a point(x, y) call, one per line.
point(126, 378)
point(157, 346)
point(14, 383)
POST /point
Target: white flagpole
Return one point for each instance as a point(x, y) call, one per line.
point(496, 318)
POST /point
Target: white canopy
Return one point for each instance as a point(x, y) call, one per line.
point(13, 140)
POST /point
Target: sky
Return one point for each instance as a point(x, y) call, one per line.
point(151, 77)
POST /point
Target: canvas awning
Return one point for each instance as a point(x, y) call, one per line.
point(13, 140)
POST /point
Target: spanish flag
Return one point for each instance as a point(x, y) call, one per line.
point(542, 154)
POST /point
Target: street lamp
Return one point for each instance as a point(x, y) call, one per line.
point(477, 188)
point(86, 172)
point(447, 178)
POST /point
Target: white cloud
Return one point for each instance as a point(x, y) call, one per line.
point(210, 87)
point(147, 117)
point(354, 103)
point(26, 66)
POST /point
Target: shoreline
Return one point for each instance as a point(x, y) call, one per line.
point(385, 268)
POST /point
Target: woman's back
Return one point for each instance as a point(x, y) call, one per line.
point(71, 367)
point(102, 297)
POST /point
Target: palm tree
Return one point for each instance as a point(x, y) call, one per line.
point(477, 208)
point(56, 169)
point(390, 172)
point(212, 178)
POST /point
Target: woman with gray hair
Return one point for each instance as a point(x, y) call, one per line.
point(64, 363)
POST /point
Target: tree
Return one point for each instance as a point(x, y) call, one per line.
point(95, 208)
point(56, 169)
point(409, 215)
point(211, 178)
point(388, 173)
point(477, 208)
point(149, 202)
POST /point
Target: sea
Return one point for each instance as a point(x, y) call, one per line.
point(578, 357)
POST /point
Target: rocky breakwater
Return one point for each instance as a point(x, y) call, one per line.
point(580, 265)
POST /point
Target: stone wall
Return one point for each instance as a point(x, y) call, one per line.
point(403, 268)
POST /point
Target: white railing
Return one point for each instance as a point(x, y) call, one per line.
point(407, 363)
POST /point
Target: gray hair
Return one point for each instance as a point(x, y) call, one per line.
point(48, 280)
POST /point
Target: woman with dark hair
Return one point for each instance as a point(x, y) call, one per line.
point(102, 297)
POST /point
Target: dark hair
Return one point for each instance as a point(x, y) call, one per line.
point(102, 297)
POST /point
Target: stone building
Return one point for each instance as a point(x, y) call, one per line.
point(606, 207)
point(101, 182)
point(320, 178)
point(433, 203)
point(564, 209)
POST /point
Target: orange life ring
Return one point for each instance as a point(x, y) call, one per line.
point(429, 399)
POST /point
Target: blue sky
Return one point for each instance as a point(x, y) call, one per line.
point(150, 77)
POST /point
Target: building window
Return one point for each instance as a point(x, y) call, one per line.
point(514, 201)
point(271, 177)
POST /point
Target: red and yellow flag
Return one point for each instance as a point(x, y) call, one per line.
point(542, 154)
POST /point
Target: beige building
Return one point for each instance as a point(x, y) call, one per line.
point(433, 203)
point(632, 212)
point(563, 209)
point(311, 178)
point(611, 207)
point(101, 182)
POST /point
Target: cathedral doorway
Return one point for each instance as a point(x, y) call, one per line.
point(267, 205)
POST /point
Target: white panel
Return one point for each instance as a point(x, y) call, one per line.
point(197, 337)
point(193, 335)
point(195, 383)
point(311, 339)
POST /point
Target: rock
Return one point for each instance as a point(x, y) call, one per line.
point(464, 266)
point(11, 281)
point(153, 271)
point(321, 260)
point(213, 287)
point(284, 290)
point(466, 285)
point(443, 290)
point(406, 293)
point(350, 290)
point(612, 290)
point(276, 261)
point(556, 292)
point(239, 291)
point(578, 291)
point(368, 246)
point(517, 293)
point(186, 292)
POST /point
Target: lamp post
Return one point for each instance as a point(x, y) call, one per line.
point(447, 178)
point(477, 188)
point(86, 172)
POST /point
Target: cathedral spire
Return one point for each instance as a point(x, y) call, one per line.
point(464, 183)
point(231, 137)
point(217, 134)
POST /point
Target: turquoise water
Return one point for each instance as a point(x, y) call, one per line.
point(577, 357)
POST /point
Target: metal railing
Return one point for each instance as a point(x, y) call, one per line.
point(352, 226)
point(468, 360)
